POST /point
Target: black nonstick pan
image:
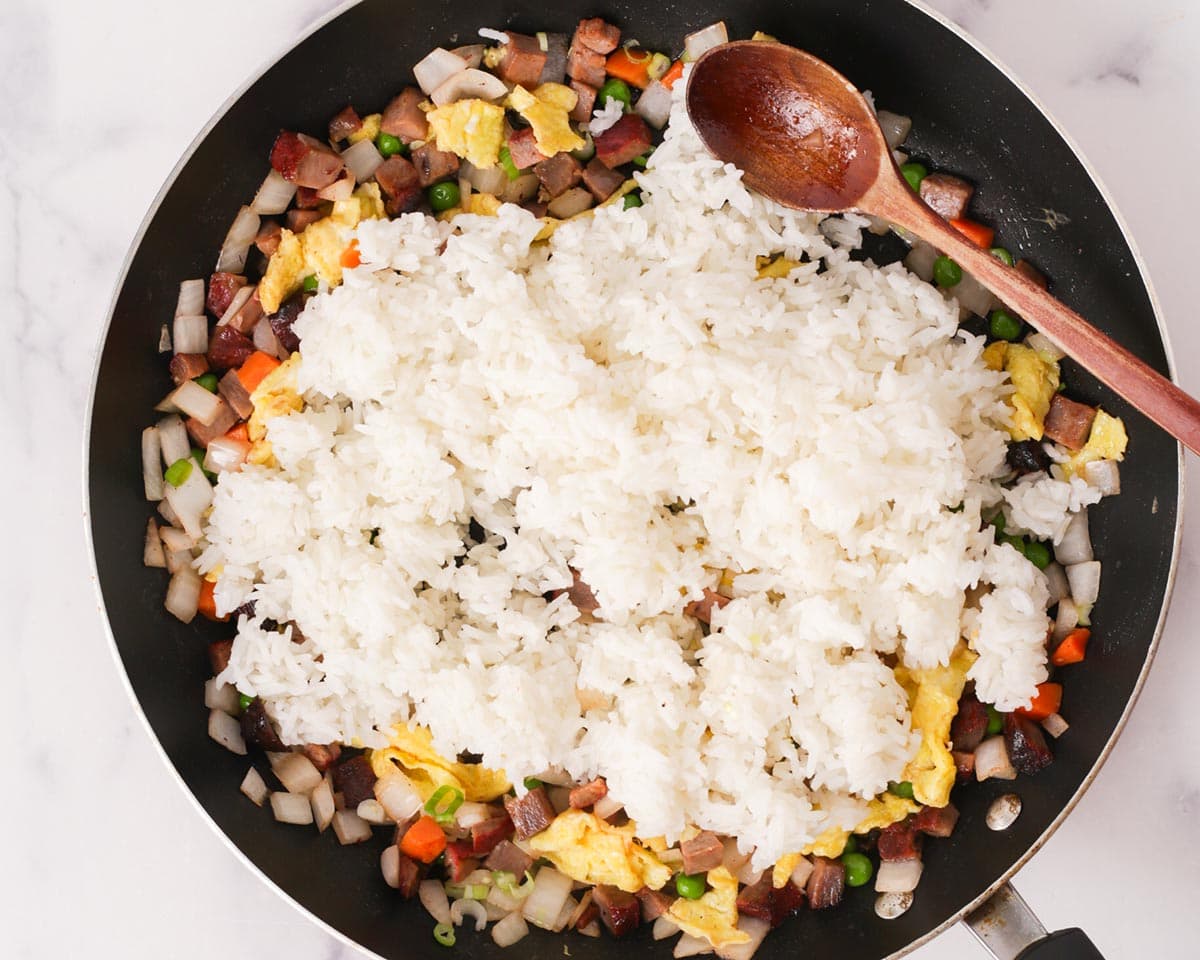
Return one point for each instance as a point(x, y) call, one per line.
point(969, 117)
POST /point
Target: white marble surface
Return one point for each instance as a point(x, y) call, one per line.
point(103, 855)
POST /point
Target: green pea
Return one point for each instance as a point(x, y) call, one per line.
point(532, 783)
point(902, 789)
point(1017, 543)
point(995, 721)
point(178, 472)
point(1038, 554)
point(1002, 255)
point(998, 522)
point(507, 165)
point(914, 173)
point(859, 869)
point(690, 886)
point(643, 159)
point(208, 381)
point(244, 701)
point(389, 145)
point(443, 196)
point(310, 283)
point(633, 199)
point(615, 89)
point(851, 845)
point(946, 273)
point(1002, 325)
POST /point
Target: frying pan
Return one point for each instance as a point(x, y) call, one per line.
point(969, 117)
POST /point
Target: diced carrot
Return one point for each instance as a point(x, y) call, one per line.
point(208, 603)
point(674, 72)
point(1073, 647)
point(1047, 701)
point(257, 366)
point(634, 69)
point(350, 256)
point(424, 840)
point(240, 432)
point(977, 233)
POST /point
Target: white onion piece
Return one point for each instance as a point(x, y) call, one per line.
point(372, 811)
point(654, 105)
point(1075, 545)
point(550, 891)
point(471, 54)
point(469, 84)
point(462, 908)
point(362, 159)
point(190, 302)
point(973, 296)
point(689, 946)
point(607, 807)
point(525, 187)
point(436, 67)
point(1084, 579)
point(175, 540)
point(559, 797)
point(194, 401)
point(168, 515)
point(466, 816)
point(240, 296)
point(182, 602)
point(504, 902)
point(801, 873)
point(225, 454)
point(568, 203)
point(747, 875)
point(323, 805)
point(274, 196)
point(173, 440)
point(152, 478)
point(291, 808)
point(898, 876)
point(190, 499)
point(895, 127)
point(756, 929)
point(350, 827)
point(398, 797)
point(1104, 475)
point(1055, 725)
point(565, 914)
point(1043, 345)
point(230, 387)
point(1003, 812)
point(492, 180)
point(220, 696)
point(1067, 619)
point(177, 560)
point(152, 550)
point(733, 859)
point(664, 928)
point(1056, 581)
point(226, 731)
point(340, 189)
point(266, 341)
point(433, 898)
point(991, 760)
point(296, 772)
point(389, 866)
point(255, 787)
point(189, 333)
point(237, 242)
point(889, 906)
point(164, 339)
point(510, 930)
point(920, 260)
point(695, 44)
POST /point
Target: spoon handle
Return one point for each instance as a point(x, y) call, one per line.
point(1148, 390)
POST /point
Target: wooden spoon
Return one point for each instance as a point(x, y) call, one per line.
point(804, 136)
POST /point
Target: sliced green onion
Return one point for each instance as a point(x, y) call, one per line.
point(659, 64)
point(443, 933)
point(632, 199)
point(1002, 255)
point(507, 883)
point(532, 783)
point(507, 165)
point(244, 701)
point(467, 891)
point(311, 283)
point(208, 381)
point(178, 472)
point(995, 721)
point(914, 173)
point(902, 789)
point(441, 809)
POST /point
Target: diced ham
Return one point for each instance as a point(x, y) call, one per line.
point(556, 59)
point(1032, 274)
point(629, 137)
point(401, 185)
point(620, 912)
point(787, 900)
point(522, 61)
point(585, 65)
point(307, 199)
point(488, 834)
point(936, 821)
point(246, 317)
point(969, 725)
point(230, 387)
point(702, 609)
point(1068, 422)
point(258, 729)
point(345, 122)
point(322, 755)
point(460, 860)
point(409, 872)
point(304, 160)
point(900, 841)
point(1027, 456)
point(281, 322)
point(433, 165)
point(221, 288)
point(588, 914)
point(585, 101)
point(219, 652)
point(404, 118)
point(203, 433)
point(187, 366)
point(559, 173)
point(600, 180)
point(1027, 747)
point(355, 780)
point(587, 794)
point(297, 220)
point(702, 853)
point(522, 148)
point(579, 593)
point(763, 901)
point(509, 858)
point(826, 884)
point(654, 903)
point(598, 36)
point(946, 194)
point(267, 238)
point(531, 813)
point(228, 348)
point(964, 765)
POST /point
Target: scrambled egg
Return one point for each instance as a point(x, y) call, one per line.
point(1106, 441)
point(548, 111)
point(480, 204)
point(882, 812)
point(371, 125)
point(412, 749)
point(590, 850)
point(275, 396)
point(714, 916)
point(473, 129)
point(318, 249)
point(550, 224)
point(1035, 380)
point(933, 700)
point(774, 267)
point(783, 868)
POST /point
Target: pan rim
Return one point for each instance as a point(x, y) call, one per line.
point(168, 184)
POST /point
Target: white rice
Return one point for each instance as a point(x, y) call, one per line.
point(568, 396)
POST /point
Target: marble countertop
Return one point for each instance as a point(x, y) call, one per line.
point(105, 856)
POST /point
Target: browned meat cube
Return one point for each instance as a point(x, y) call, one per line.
point(601, 181)
point(629, 137)
point(322, 755)
point(1032, 274)
point(221, 288)
point(556, 59)
point(354, 780)
point(598, 36)
point(246, 317)
point(509, 858)
point(654, 903)
point(1027, 747)
point(488, 834)
point(345, 122)
point(702, 853)
point(307, 199)
point(531, 813)
point(522, 147)
point(187, 366)
point(538, 208)
point(702, 609)
point(404, 118)
point(433, 165)
point(227, 348)
point(1068, 422)
point(219, 652)
point(258, 729)
point(587, 794)
point(826, 884)
point(203, 433)
point(582, 917)
point(523, 60)
point(619, 911)
point(559, 173)
point(763, 901)
point(585, 65)
point(267, 238)
point(964, 766)
point(281, 322)
point(936, 821)
point(947, 194)
point(297, 220)
point(900, 841)
point(304, 160)
point(460, 860)
point(586, 101)
point(400, 183)
point(409, 872)
point(579, 592)
point(969, 724)
point(235, 394)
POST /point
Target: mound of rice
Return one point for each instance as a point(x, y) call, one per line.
point(628, 400)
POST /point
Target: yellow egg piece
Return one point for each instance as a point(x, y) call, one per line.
point(1106, 441)
point(548, 110)
point(882, 812)
point(284, 273)
point(1035, 381)
point(782, 871)
point(993, 355)
point(591, 850)
point(473, 129)
point(411, 747)
point(370, 128)
point(774, 268)
point(275, 396)
point(713, 916)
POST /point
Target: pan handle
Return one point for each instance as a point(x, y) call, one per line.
point(1009, 930)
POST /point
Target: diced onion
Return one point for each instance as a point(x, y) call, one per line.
point(654, 105)
point(372, 811)
point(1056, 581)
point(920, 260)
point(296, 772)
point(462, 908)
point(1043, 345)
point(607, 806)
point(152, 478)
point(243, 294)
point(689, 946)
point(194, 401)
point(255, 787)
point(570, 202)
point(973, 296)
point(433, 898)
point(698, 43)
point(350, 827)
point(266, 341)
point(174, 540)
point(220, 696)
point(471, 54)
point(491, 180)
point(436, 67)
point(525, 187)
point(190, 333)
point(237, 242)
point(389, 866)
point(274, 196)
point(991, 760)
point(362, 159)
point(230, 387)
point(323, 805)
point(227, 732)
point(1075, 545)
point(898, 876)
point(1067, 619)
point(177, 560)
point(550, 891)
point(164, 339)
point(173, 440)
point(756, 930)
point(1104, 475)
point(191, 299)
point(591, 930)
point(468, 813)
point(291, 808)
point(189, 500)
point(398, 797)
point(664, 928)
point(510, 930)
point(1084, 579)
point(1055, 725)
point(895, 127)
point(225, 454)
point(801, 873)
point(152, 550)
point(182, 602)
point(469, 84)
